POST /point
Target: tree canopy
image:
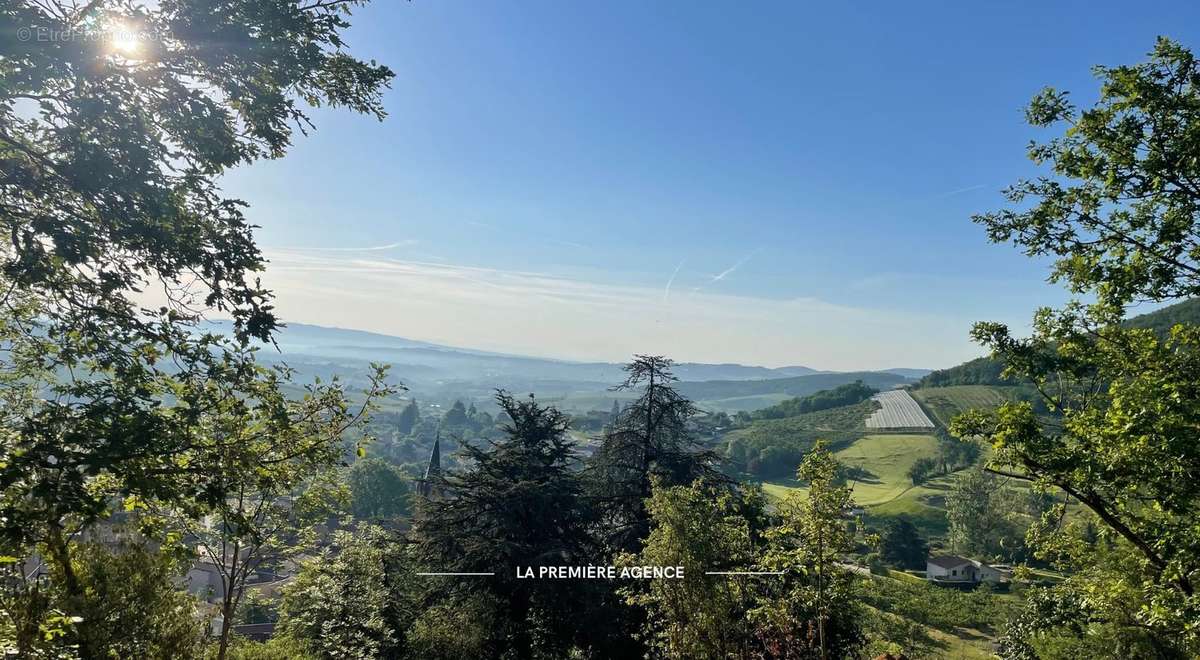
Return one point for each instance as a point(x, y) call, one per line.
point(1120, 214)
point(118, 241)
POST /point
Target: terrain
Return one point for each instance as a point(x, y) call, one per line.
point(443, 374)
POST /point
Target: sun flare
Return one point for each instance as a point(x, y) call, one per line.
point(124, 39)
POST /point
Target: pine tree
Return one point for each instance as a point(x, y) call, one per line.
point(409, 418)
point(650, 438)
point(519, 504)
point(456, 417)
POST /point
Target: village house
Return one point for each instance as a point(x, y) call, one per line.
point(951, 569)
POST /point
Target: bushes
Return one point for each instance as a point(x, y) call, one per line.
point(943, 609)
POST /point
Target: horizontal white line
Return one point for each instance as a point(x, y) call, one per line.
point(743, 572)
point(455, 573)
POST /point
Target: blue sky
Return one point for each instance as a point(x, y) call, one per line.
point(801, 175)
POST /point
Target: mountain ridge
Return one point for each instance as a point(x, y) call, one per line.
point(311, 340)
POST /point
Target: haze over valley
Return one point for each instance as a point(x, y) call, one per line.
point(442, 374)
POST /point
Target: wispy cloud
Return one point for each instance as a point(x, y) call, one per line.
point(959, 191)
point(540, 313)
point(370, 248)
point(671, 280)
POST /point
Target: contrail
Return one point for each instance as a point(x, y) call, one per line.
point(725, 273)
point(372, 248)
point(667, 291)
point(959, 191)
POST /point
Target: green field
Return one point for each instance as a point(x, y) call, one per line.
point(888, 491)
point(736, 404)
point(946, 402)
point(887, 458)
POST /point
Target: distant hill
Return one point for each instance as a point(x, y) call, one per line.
point(443, 373)
point(426, 363)
point(698, 371)
point(986, 371)
point(980, 371)
point(1161, 320)
point(797, 386)
point(909, 373)
point(842, 395)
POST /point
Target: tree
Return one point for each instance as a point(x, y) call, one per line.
point(842, 395)
point(456, 417)
point(131, 599)
point(273, 464)
point(900, 544)
point(954, 453)
point(109, 163)
point(649, 439)
point(409, 418)
point(921, 469)
point(276, 648)
point(378, 491)
point(1120, 212)
point(1120, 216)
point(109, 181)
point(981, 508)
point(812, 611)
point(356, 602)
point(518, 503)
point(700, 527)
point(1056, 624)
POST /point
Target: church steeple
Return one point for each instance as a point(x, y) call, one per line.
point(435, 458)
point(434, 469)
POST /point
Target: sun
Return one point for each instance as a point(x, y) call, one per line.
point(123, 39)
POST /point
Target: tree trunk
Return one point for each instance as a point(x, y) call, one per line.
point(60, 554)
point(821, 594)
point(227, 605)
point(649, 439)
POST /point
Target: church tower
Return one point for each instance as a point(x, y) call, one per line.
point(434, 469)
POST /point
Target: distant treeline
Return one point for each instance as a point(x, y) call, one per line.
point(980, 371)
point(773, 448)
point(1162, 320)
point(843, 395)
point(986, 371)
point(796, 386)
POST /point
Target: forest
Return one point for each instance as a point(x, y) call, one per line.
point(168, 492)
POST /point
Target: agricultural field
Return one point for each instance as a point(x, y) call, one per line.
point(884, 488)
point(897, 410)
point(946, 402)
point(885, 460)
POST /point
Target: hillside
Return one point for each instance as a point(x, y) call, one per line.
point(798, 386)
point(774, 447)
point(943, 403)
point(1161, 320)
point(842, 395)
point(986, 371)
point(880, 481)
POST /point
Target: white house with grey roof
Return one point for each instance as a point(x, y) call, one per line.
point(960, 570)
